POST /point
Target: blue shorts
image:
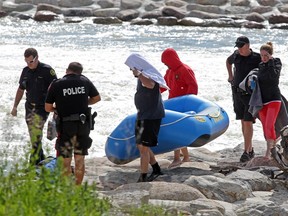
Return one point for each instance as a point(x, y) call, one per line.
point(146, 132)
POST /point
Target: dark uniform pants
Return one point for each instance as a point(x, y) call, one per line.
point(36, 117)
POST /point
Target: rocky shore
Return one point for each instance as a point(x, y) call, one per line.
point(213, 183)
point(257, 14)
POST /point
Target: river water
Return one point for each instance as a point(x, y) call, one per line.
point(102, 49)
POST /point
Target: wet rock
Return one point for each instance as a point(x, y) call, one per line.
point(82, 12)
point(127, 15)
point(44, 16)
point(142, 22)
point(167, 21)
point(107, 12)
point(255, 17)
point(107, 20)
point(275, 19)
point(174, 12)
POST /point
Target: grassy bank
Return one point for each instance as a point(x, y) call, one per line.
point(45, 192)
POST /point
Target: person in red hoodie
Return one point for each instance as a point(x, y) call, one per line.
point(181, 80)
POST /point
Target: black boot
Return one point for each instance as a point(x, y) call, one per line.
point(143, 177)
point(155, 173)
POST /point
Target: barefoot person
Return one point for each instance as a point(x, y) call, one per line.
point(182, 81)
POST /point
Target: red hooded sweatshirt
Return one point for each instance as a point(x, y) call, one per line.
point(179, 77)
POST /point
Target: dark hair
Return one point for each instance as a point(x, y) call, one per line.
point(268, 47)
point(30, 51)
point(75, 67)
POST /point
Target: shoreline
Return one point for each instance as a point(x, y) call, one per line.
point(212, 183)
point(191, 13)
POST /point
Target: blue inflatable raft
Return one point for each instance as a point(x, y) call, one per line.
point(190, 121)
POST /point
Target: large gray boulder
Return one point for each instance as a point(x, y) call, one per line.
point(130, 4)
point(75, 3)
point(36, 2)
point(106, 12)
point(127, 15)
point(82, 12)
point(174, 11)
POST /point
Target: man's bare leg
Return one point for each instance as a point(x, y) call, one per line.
point(79, 168)
point(247, 131)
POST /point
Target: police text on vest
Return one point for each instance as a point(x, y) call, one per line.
point(74, 91)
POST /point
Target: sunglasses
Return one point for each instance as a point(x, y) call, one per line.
point(32, 61)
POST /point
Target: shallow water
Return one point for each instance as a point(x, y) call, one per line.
point(102, 50)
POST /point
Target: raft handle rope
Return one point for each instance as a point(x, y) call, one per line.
point(178, 120)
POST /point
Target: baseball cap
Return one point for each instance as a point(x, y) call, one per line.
point(241, 41)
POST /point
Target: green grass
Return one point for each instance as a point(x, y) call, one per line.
point(22, 192)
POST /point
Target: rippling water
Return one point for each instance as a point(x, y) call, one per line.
point(102, 50)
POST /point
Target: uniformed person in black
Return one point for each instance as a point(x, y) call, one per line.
point(70, 97)
point(35, 80)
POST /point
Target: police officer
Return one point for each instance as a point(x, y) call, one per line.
point(35, 80)
point(70, 97)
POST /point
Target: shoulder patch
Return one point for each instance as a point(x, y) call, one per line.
point(52, 72)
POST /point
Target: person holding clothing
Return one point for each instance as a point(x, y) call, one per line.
point(70, 97)
point(244, 60)
point(182, 81)
point(35, 80)
point(268, 79)
point(150, 111)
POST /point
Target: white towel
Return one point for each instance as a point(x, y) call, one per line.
point(140, 63)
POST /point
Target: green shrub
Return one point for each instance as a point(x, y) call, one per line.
point(22, 192)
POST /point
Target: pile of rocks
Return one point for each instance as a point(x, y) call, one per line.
point(213, 183)
point(204, 13)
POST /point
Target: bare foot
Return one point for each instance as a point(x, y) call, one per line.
point(175, 163)
point(186, 160)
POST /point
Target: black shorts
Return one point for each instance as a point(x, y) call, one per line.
point(241, 106)
point(146, 132)
point(73, 136)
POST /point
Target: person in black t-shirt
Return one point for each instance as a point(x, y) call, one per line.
point(70, 97)
point(150, 111)
point(35, 80)
point(244, 60)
